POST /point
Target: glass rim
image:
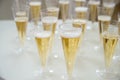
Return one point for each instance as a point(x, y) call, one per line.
point(62, 1)
point(69, 27)
point(55, 7)
point(81, 9)
point(45, 13)
point(69, 32)
point(40, 28)
point(34, 1)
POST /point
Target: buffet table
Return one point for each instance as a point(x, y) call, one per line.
point(26, 66)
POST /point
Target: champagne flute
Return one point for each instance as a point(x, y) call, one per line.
point(43, 41)
point(70, 37)
point(93, 4)
point(110, 39)
point(64, 9)
point(109, 7)
point(80, 17)
point(20, 13)
point(81, 20)
point(35, 10)
point(53, 10)
point(52, 7)
point(49, 21)
point(104, 19)
point(48, 18)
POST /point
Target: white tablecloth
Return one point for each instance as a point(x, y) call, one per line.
point(27, 66)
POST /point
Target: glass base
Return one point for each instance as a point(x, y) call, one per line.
point(17, 51)
point(108, 74)
point(74, 77)
point(50, 74)
point(40, 74)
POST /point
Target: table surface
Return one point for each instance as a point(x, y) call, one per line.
point(26, 66)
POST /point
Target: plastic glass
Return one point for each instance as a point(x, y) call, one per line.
point(35, 10)
point(93, 4)
point(48, 18)
point(43, 42)
point(110, 39)
point(64, 6)
point(104, 19)
point(20, 14)
point(70, 37)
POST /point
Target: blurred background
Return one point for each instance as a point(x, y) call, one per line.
point(6, 13)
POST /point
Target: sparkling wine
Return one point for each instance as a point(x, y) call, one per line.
point(104, 22)
point(70, 42)
point(53, 11)
point(35, 8)
point(93, 10)
point(81, 12)
point(43, 44)
point(109, 42)
point(48, 22)
point(80, 23)
point(109, 8)
point(21, 23)
point(64, 9)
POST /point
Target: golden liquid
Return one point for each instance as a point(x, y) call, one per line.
point(103, 26)
point(109, 43)
point(53, 11)
point(43, 44)
point(49, 23)
point(104, 22)
point(47, 26)
point(21, 23)
point(21, 14)
point(109, 8)
point(93, 12)
point(109, 11)
point(64, 10)
point(70, 47)
point(80, 3)
point(35, 8)
point(80, 23)
point(81, 13)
